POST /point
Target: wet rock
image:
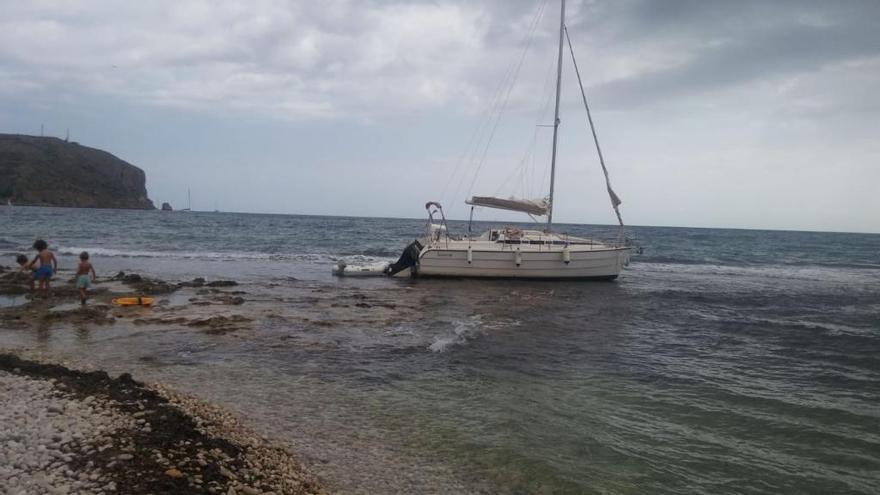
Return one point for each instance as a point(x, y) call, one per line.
point(220, 324)
point(145, 285)
point(97, 314)
point(222, 283)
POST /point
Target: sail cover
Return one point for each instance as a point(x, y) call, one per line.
point(538, 207)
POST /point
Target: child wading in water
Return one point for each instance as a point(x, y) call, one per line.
point(48, 265)
point(25, 267)
point(85, 275)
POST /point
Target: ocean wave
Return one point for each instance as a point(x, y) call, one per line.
point(218, 255)
point(754, 263)
point(463, 331)
point(793, 272)
point(7, 243)
point(381, 252)
point(827, 327)
point(121, 253)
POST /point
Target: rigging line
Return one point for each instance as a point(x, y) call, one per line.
point(526, 167)
point(476, 136)
point(615, 200)
point(539, 117)
point(519, 168)
point(548, 98)
point(472, 150)
point(506, 100)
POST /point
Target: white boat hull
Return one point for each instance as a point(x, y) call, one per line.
point(600, 263)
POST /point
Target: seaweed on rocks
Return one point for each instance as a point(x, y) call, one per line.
point(145, 285)
point(167, 447)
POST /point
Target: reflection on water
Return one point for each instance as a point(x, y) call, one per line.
point(11, 301)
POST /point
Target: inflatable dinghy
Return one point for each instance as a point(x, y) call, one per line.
point(375, 270)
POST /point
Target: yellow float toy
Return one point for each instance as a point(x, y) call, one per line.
point(133, 301)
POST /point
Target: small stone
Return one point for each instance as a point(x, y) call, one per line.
point(174, 473)
point(249, 490)
point(125, 457)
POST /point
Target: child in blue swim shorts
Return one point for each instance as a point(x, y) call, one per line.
point(48, 265)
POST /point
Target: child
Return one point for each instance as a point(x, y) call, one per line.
point(83, 280)
point(48, 265)
point(25, 267)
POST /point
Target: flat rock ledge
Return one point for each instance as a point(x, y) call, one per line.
point(65, 431)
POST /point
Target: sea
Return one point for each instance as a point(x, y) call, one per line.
point(721, 361)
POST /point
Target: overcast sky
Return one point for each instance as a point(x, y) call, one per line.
point(715, 114)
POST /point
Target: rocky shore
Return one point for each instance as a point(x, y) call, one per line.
point(70, 431)
point(64, 431)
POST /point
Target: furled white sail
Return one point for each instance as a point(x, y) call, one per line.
point(539, 207)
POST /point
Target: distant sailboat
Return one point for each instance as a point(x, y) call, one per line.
point(188, 201)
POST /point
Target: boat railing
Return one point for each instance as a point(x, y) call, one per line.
point(433, 233)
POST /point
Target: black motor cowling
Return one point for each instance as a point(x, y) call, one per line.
point(409, 258)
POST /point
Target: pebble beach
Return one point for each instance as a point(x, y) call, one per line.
point(65, 432)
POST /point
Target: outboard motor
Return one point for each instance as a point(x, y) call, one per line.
point(409, 258)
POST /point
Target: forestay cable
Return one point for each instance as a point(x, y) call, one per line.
point(615, 200)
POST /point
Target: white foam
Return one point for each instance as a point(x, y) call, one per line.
point(795, 272)
point(239, 255)
point(464, 331)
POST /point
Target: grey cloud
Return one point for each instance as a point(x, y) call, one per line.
point(367, 59)
point(727, 44)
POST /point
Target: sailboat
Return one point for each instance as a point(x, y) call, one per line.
point(188, 201)
point(511, 252)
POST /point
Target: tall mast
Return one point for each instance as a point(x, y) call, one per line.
point(556, 114)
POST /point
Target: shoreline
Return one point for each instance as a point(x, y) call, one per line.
point(98, 434)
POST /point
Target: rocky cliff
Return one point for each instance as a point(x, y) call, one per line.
point(47, 171)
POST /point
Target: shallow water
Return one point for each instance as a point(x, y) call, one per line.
point(11, 301)
point(722, 361)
